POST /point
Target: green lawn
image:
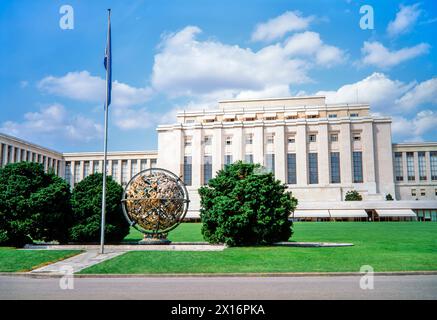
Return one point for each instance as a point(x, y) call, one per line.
point(20, 260)
point(386, 246)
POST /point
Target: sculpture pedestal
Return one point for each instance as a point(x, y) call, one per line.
point(153, 238)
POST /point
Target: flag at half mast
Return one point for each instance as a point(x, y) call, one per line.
point(108, 63)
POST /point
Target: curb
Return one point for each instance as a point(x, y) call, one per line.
point(43, 275)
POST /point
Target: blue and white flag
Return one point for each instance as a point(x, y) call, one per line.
point(108, 62)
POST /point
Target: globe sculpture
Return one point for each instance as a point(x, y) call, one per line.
point(155, 201)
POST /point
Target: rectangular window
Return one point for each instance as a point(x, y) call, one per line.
point(358, 166)
point(413, 192)
point(143, 164)
point(399, 171)
point(248, 158)
point(422, 165)
point(86, 169)
point(76, 172)
point(228, 140)
point(270, 163)
point(357, 137)
point(207, 169)
point(96, 166)
point(133, 167)
point(249, 138)
point(124, 176)
point(422, 192)
point(67, 174)
point(312, 138)
point(334, 137)
point(354, 115)
point(291, 139)
point(313, 168)
point(153, 163)
point(188, 171)
point(207, 140)
point(433, 160)
point(270, 139)
point(335, 167)
point(291, 168)
point(187, 141)
point(228, 159)
point(410, 166)
point(114, 171)
point(332, 115)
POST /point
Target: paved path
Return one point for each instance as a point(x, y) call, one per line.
point(346, 287)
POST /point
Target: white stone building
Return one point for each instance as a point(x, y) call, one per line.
point(321, 151)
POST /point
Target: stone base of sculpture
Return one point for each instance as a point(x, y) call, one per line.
point(155, 238)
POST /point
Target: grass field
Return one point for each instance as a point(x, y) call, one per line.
point(388, 246)
point(20, 260)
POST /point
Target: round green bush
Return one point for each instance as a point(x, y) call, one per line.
point(243, 205)
point(34, 205)
point(86, 202)
point(353, 195)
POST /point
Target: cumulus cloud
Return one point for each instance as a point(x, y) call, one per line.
point(186, 66)
point(53, 122)
point(82, 86)
point(425, 92)
point(375, 54)
point(277, 27)
point(412, 130)
point(405, 19)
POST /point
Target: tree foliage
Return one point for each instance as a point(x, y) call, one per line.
point(389, 197)
point(34, 205)
point(86, 204)
point(243, 205)
point(353, 195)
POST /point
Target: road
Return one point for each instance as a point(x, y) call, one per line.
point(221, 288)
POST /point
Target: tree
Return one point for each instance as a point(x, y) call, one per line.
point(86, 202)
point(353, 195)
point(388, 197)
point(34, 205)
point(243, 205)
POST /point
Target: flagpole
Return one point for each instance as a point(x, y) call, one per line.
point(105, 151)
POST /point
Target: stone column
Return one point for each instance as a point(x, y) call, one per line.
point(345, 153)
point(428, 166)
point(197, 156)
point(301, 154)
point(217, 149)
point(368, 148)
point(323, 153)
point(258, 145)
point(280, 156)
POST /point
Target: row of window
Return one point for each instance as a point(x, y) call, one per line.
point(313, 167)
point(270, 139)
point(421, 162)
point(422, 192)
point(10, 154)
point(114, 169)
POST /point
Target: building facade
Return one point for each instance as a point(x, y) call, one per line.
point(320, 151)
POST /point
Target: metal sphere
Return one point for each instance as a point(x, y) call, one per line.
point(155, 201)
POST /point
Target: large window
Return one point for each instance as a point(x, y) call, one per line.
point(143, 164)
point(291, 168)
point(76, 172)
point(248, 158)
point(67, 174)
point(114, 172)
point(358, 166)
point(249, 138)
point(270, 162)
point(96, 166)
point(124, 175)
point(207, 169)
point(313, 168)
point(188, 171)
point(228, 159)
point(134, 167)
point(399, 174)
point(86, 169)
point(335, 167)
point(433, 159)
point(422, 165)
point(153, 163)
point(410, 166)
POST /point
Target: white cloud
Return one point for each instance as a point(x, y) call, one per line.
point(405, 19)
point(277, 27)
point(185, 66)
point(82, 86)
point(412, 130)
point(53, 122)
point(377, 55)
point(309, 44)
point(425, 92)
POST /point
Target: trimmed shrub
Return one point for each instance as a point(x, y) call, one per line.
point(243, 205)
point(389, 197)
point(86, 202)
point(353, 195)
point(34, 205)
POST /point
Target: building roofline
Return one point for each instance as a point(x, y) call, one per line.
point(29, 143)
point(273, 99)
point(91, 153)
point(415, 144)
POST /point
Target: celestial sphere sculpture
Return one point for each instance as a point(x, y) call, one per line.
point(155, 201)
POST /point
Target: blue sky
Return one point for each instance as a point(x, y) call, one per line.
point(175, 55)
